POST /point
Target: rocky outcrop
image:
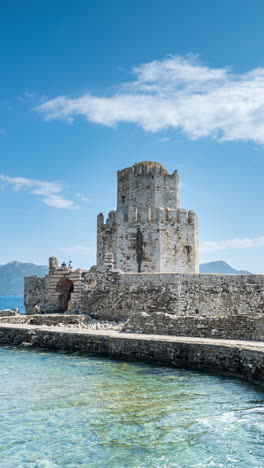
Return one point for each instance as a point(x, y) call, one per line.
point(9, 312)
point(61, 320)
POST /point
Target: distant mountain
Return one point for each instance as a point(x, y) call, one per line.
point(12, 276)
point(221, 268)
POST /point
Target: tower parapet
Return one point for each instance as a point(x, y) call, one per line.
point(149, 231)
point(147, 184)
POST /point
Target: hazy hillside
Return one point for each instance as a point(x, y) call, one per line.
point(222, 268)
point(12, 276)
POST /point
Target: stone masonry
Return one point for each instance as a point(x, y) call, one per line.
point(147, 271)
point(148, 232)
point(117, 296)
point(245, 359)
point(60, 291)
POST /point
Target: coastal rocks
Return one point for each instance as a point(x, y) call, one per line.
point(62, 321)
point(9, 312)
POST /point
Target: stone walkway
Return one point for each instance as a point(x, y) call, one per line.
point(257, 345)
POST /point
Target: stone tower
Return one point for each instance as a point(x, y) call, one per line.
point(148, 232)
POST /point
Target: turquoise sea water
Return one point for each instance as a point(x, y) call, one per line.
point(11, 302)
point(59, 410)
point(62, 410)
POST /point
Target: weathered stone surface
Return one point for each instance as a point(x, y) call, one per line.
point(60, 291)
point(35, 290)
point(9, 312)
point(61, 320)
point(246, 359)
point(241, 327)
point(116, 296)
point(119, 295)
point(148, 232)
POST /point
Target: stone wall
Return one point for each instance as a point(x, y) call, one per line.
point(228, 304)
point(238, 327)
point(116, 295)
point(245, 360)
point(47, 295)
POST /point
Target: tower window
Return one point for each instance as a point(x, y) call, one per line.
point(123, 199)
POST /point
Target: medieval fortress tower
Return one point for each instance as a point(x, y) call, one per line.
point(148, 232)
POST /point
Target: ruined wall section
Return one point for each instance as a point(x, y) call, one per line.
point(107, 238)
point(42, 295)
point(34, 292)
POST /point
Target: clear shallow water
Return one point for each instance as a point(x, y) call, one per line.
point(12, 302)
point(60, 410)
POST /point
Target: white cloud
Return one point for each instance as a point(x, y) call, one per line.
point(83, 197)
point(57, 201)
point(179, 93)
point(231, 244)
point(49, 191)
point(79, 249)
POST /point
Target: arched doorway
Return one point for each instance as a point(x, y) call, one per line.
point(65, 289)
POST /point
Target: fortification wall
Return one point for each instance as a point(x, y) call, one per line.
point(116, 295)
point(180, 304)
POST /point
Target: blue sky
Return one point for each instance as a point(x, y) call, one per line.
point(90, 87)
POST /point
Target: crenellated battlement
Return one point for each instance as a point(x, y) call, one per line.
point(147, 215)
point(145, 168)
point(148, 231)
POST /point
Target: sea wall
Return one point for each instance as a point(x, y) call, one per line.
point(241, 358)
